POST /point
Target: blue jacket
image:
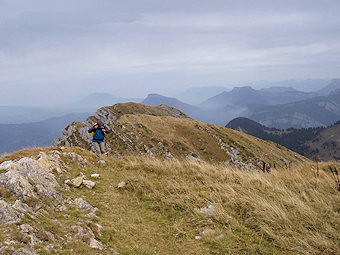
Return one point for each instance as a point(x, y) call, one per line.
point(99, 135)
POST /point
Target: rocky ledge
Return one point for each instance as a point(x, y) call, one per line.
point(31, 191)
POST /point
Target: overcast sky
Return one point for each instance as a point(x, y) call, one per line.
point(51, 51)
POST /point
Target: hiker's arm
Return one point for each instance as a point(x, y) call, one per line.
point(91, 130)
point(107, 130)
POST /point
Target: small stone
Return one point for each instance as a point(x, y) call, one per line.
point(208, 211)
point(49, 248)
point(76, 182)
point(100, 229)
point(50, 236)
point(91, 215)
point(89, 184)
point(62, 208)
point(208, 232)
point(198, 237)
point(82, 175)
point(57, 222)
point(24, 251)
point(95, 244)
point(121, 185)
point(42, 212)
point(95, 175)
point(102, 162)
point(62, 147)
point(219, 237)
point(83, 205)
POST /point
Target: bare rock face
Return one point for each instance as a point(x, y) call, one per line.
point(81, 204)
point(86, 235)
point(8, 215)
point(74, 156)
point(31, 178)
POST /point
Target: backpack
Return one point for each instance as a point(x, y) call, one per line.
point(92, 133)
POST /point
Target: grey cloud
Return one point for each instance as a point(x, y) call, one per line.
point(143, 45)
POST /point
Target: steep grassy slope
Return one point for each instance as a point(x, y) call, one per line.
point(184, 207)
point(326, 145)
point(169, 137)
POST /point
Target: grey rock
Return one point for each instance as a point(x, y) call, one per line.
point(102, 162)
point(62, 208)
point(89, 184)
point(6, 250)
point(31, 178)
point(57, 222)
point(23, 208)
point(91, 215)
point(76, 182)
point(100, 229)
point(28, 232)
point(83, 205)
point(50, 236)
point(8, 215)
point(95, 175)
point(26, 228)
point(192, 158)
point(208, 211)
point(121, 185)
point(95, 244)
point(208, 232)
point(50, 248)
point(24, 251)
point(76, 157)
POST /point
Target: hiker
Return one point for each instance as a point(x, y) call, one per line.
point(98, 136)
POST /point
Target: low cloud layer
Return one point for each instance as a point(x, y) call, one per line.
point(56, 50)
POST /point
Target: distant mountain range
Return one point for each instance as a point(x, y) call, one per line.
point(280, 106)
point(322, 143)
point(197, 95)
point(314, 112)
point(332, 86)
point(36, 134)
point(156, 99)
point(308, 85)
point(21, 114)
point(243, 96)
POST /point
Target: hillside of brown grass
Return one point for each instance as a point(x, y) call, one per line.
point(186, 207)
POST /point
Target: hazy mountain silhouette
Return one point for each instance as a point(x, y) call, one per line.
point(331, 87)
point(36, 134)
point(314, 112)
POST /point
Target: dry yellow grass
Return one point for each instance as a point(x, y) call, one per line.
point(23, 153)
point(158, 211)
point(255, 213)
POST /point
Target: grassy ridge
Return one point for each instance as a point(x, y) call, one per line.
point(167, 133)
point(159, 209)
